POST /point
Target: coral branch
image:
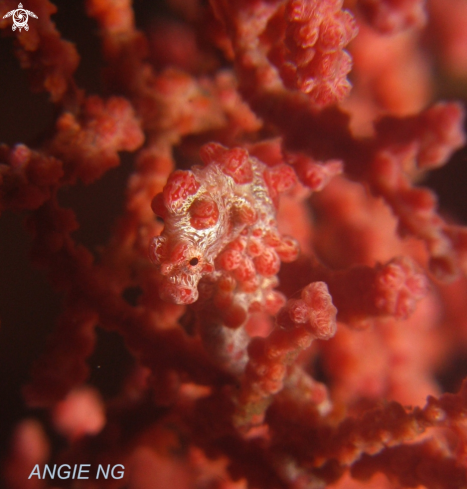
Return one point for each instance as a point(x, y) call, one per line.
point(298, 323)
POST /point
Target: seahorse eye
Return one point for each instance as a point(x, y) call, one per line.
point(193, 262)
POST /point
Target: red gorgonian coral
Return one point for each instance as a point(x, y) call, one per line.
point(288, 292)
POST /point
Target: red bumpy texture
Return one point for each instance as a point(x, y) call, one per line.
point(310, 53)
point(254, 364)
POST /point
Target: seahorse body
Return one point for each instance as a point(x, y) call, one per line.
point(220, 222)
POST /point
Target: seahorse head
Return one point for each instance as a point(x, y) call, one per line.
point(180, 252)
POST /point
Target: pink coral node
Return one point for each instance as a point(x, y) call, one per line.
point(399, 286)
point(314, 311)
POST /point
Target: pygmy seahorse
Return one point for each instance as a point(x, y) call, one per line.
point(220, 223)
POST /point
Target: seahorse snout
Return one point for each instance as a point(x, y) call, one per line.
point(178, 294)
